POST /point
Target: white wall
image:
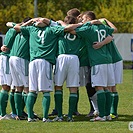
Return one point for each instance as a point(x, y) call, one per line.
point(123, 43)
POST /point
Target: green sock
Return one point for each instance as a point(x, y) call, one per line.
point(55, 103)
point(24, 97)
point(76, 106)
point(31, 99)
point(12, 103)
point(46, 104)
point(3, 101)
point(114, 105)
point(101, 101)
point(108, 102)
point(72, 104)
point(58, 101)
point(18, 102)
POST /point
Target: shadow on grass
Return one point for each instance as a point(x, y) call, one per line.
point(123, 118)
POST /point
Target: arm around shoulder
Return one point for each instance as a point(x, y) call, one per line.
point(111, 25)
point(17, 28)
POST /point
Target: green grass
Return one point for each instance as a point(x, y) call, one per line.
point(81, 123)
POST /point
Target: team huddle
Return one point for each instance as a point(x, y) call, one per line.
point(81, 49)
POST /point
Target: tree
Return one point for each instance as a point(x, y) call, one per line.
point(15, 13)
point(117, 11)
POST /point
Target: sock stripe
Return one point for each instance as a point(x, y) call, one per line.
point(106, 91)
point(12, 94)
point(114, 94)
point(46, 94)
point(58, 92)
point(100, 91)
point(18, 93)
point(32, 94)
point(4, 91)
point(73, 95)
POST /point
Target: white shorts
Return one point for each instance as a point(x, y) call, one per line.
point(19, 71)
point(40, 75)
point(118, 72)
point(67, 68)
point(84, 74)
point(102, 75)
point(5, 75)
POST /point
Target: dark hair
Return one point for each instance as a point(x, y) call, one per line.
point(70, 20)
point(90, 14)
point(26, 19)
point(79, 18)
point(73, 12)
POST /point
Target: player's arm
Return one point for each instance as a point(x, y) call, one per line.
point(107, 40)
point(62, 23)
point(10, 24)
point(30, 22)
point(73, 32)
point(17, 27)
point(109, 24)
point(71, 27)
point(42, 22)
point(45, 20)
point(96, 21)
point(4, 48)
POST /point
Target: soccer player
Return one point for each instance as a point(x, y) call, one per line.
point(43, 49)
point(118, 71)
point(69, 20)
point(5, 75)
point(75, 13)
point(19, 65)
point(19, 62)
point(70, 46)
point(102, 74)
point(85, 77)
point(67, 68)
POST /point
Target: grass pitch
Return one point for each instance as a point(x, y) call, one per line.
point(81, 124)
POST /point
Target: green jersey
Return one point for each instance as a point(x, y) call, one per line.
point(8, 40)
point(20, 46)
point(114, 52)
point(96, 33)
point(83, 57)
point(113, 49)
point(43, 41)
point(72, 44)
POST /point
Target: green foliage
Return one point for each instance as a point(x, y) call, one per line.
point(15, 13)
point(117, 11)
